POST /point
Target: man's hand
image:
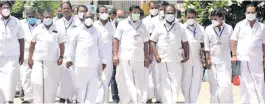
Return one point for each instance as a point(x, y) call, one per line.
point(184, 60)
point(151, 58)
point(234, 59)
point(115, 60)
point(103, 67)
point(158, 59)
point(30, 62)
point(21, 59)
point(146, 63)
point(68, 64)
point(208, 64)
point(60, 61)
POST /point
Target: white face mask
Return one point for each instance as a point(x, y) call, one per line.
point(104, 16)
point(38, 21)
point(5, 12)
point(170, 17)
point(88, 22)
point(250, 17)
point(215, 23)
point(47, 21)
point(154, 11)
point(161, 14)
point(191, 21)
point(80, 15)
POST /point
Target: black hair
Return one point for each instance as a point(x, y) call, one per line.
point(170, 6)
point(98, 8)
point(82, 6)
point(47, 10)
point(141, 12)
point(134, 7)
point(6, 3)
point(153, 2)
point(113, 11)
point(190, 10)
point(218, 12)
point(68, 3)
point(164, 3)
point(252, 5)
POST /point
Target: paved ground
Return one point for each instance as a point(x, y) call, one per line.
point(204, 97)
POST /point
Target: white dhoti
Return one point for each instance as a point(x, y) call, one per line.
point(171, 74)
point(9, 77)
point(107, 74)
point(26, 80)
point(134, 73)
point(252, 82)
point(87, 84)
point(220, 83)
point(121, 86)
point(191, 80)
point(153, 82)
point(45, 78)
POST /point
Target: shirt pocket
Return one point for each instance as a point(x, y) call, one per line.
point(11, 33)
point(259, 33)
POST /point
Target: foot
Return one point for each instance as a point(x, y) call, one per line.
point(26, 102)
point(149, 101)
point(115, 101)
point(17, 94)
point(61, 100)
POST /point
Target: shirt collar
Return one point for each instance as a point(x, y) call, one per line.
point(164, 22)
point(131, 21)
point(65, 20)
point(247, 22)
point(100, 23)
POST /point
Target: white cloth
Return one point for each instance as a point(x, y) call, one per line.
point(45, 78)
point(192, 69)
point(10, 30)
point(9, 77)
point(220, 83)
point(171, 74)
point(66, 86)
point(121, 86)
point(107, 32)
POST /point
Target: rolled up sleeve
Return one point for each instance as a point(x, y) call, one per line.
point(235, 33)
point(206, 41)
point(154, 36)
point(118, 32)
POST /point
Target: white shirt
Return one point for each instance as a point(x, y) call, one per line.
point(87, 45)
point(47, 42)
point(169, 43)
point(10, 32)
point(147, 22)
point(154, 21)
point(27, 29)
point(132, 37)
point(194, 40)
point(107, 32)
point(55, 19)
point(219, 52)
point(249, 40)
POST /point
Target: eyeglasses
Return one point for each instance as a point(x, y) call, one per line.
point(251, 12)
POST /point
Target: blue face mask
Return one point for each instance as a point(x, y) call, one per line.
point(32, 21)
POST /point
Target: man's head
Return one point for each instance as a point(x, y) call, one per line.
point(217, 17)
point(59, 12)
point(102, 13)
point(6, 9)
point(191, 15)
point(170, 13)
point(251, 12)
point(134, 12)
point(141, 14)
point(81, 10)
point(66, 9)
point(120, 15)
point(162, 5)
point(112, 14)
point(31, 15)
point(47, 17)
point(88, 19)
point(154, 8)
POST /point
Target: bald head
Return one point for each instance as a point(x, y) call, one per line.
point(120, 13)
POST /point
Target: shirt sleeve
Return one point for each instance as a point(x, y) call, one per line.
point(230, 35)
point(61, 36)
point(20, 32)
point(183, 34)
point(206, 41)
point(146, 34)
point(154, 36)
point(34, 35)
point(235, 34)
point(118, 32)
point(71, 47)
point(101, 50)
point(202, 34)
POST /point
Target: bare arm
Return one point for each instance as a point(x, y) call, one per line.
point(31, 50)
point(233, 44)
point(153, 48)
point(186, 49)
point(62, 49)
point(116, 47)
point(21, 44)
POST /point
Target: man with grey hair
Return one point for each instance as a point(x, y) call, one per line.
point(28, 25)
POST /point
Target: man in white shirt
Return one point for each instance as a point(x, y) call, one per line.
point(218, 58)
point(167, 41)
point(106, 30)
point(248, 46)
point(82, 9)
point(193, 69)
point(28, 25)
point(87, 47)
point(66, 26)
point(11, 53)
point(46, 44)
point(131, 54)
point(59, 15)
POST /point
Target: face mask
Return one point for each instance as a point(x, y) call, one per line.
point(250, 17)
point(80, 15)
point(161, 14)
point(119, 19)
point(32, 21)
point(88, 22)
point(191, 21)
point(5, 12)
point(104, 16)
point(135, 17)
point(38, 21)
point(154, 12)
point(170, 17)
point(59, 15)
point(215, 23)
point(47, 21)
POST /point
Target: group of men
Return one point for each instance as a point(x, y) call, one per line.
point(76, 57)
